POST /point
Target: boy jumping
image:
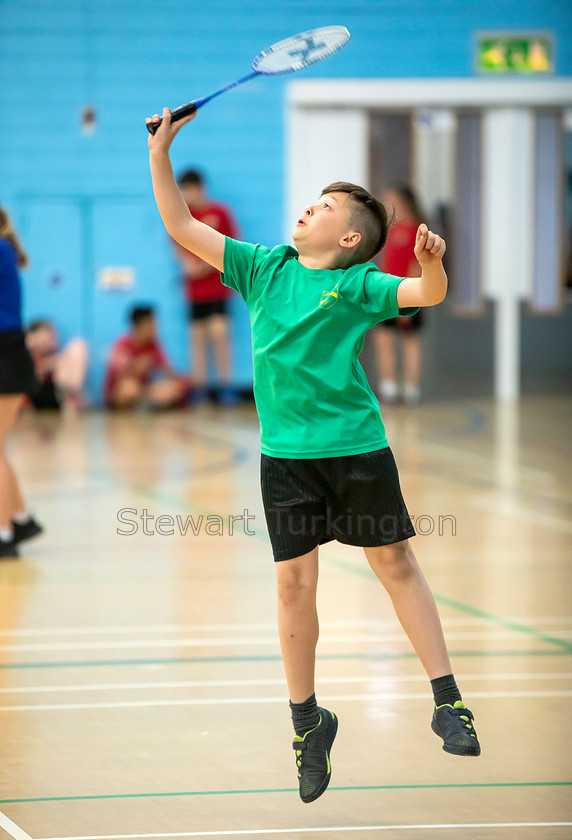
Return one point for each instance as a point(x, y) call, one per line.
point(327, 471)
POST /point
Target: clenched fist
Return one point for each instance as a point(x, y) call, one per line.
point(429, 247)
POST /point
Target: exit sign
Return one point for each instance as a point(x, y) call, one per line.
point(499, 54)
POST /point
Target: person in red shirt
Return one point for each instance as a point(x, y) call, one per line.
point(138, 370)
point(206, 296)
point(398, 258)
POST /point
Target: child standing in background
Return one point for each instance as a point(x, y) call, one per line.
point(207, 297)
point(398, 258)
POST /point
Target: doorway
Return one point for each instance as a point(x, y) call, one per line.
point(468, 145)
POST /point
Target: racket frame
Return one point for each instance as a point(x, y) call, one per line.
point(190, 107)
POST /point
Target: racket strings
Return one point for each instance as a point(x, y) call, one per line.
point(300, 50)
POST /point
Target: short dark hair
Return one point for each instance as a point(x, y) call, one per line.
point(368, 216)
point(191, 178)
point(140, 313)
point(39, 324)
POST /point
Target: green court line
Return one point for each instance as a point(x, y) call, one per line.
point(325, 657)
point(475, 612)
point(284, 790)
point(510, 625)
point(362, 571)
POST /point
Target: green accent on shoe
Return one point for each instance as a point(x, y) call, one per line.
point(303, 737)
point(456, 729)
point(313, 756)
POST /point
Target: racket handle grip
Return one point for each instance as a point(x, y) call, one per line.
point(176, 114)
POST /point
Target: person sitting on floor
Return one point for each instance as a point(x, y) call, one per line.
point(138, 370)
point(60, 372)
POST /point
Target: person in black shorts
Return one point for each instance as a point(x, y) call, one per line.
point(327, 470)
point(16, 380)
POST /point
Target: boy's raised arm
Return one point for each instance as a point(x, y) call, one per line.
point(200, 239)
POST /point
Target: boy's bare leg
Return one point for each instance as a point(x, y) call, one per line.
point(385, 352)
point(412, 358)
point(386, 366)
point(199, 340)
point(397, 569)
point(315, 728)
point(127, 393)
point(298, 622)
point(218, 334)
point(166, 392)
point(71, 366)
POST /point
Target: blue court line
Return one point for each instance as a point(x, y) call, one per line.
point(334, 657)
point(284, 790)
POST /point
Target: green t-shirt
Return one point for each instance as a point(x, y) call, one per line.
point(308, 328)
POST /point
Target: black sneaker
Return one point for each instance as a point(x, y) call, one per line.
point(26, 530)
point(454, 725)
point(8, 548)
point(313, 756)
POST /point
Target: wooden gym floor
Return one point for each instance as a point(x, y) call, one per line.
point(141, 686)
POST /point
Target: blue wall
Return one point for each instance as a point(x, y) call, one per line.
point(82, 202)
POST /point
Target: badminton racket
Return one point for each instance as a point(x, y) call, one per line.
point(286, 56)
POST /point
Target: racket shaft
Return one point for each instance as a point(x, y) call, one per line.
point(191, 107)
point(176, 114)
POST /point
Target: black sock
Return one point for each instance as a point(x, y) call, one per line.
point(305, 715)
point(445, 690)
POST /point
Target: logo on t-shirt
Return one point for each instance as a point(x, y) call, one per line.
point(329, 298)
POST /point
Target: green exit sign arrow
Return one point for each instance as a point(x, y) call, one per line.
point(500, 54)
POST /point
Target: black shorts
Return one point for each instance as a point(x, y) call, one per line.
point(200, 311)
point(355, 499)
point(16, 366)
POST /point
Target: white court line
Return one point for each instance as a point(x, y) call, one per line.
point(252, 831)
point(12, 829)
point(253, 641)
point(371, 678)
point(505, 507)
point(455, 454)
point(264, 625)
point(157, 628)
point(225, 701)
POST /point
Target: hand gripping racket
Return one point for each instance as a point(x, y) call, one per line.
point(284, 57)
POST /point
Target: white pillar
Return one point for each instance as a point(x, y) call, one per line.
point(434, 157)
point(507, 233)
point(324, 145)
